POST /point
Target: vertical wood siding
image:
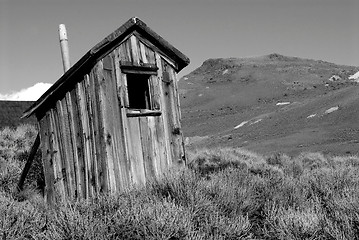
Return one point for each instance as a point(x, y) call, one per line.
point(90, 146)
point(172, 105)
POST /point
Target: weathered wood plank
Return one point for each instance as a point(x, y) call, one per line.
point(171, 106)
point(150, 54)
point(98, 126)
point(68, 151)
point(147, 148)
point(136, 155)
point(135, 51)
point(72, 135)
point(155, 93)
point(54, 141)
point(106, 106)
point(64, 162)
point(83, 117)
point(124, 163)
point(143, 113)
point(155, 50)
point(113, 113)
point(124, 91)
point(79, 142)
point(119, 140)
point(144, 68)
point(123, 54)
point(127, 45)
point(156, 151)
point(177, 131)
point(142, 48)
point(93, 172)
point(47, 158)
point(52, 151)
point(162, 123)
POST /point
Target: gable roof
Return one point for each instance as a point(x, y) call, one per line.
point(95, 53)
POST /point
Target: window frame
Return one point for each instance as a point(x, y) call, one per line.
point(143, 69)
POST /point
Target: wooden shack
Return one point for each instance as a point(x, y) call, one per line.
point(113, 119)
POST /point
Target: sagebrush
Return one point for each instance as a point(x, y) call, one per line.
point(222, 193)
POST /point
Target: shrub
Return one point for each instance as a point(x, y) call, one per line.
point(16, 143)
point(222, 194)
point(212, 160)
point(21, 220)
point(15, 146)
point(292, 223)
point(314, 160)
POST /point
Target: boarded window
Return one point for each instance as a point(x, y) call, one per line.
point(138, 91)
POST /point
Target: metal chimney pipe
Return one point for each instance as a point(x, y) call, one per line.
point(64, 45)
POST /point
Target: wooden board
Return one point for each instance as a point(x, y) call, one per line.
point(67, 147)
point(147, 147)
point(93, 133)
point(170, 99)
point(161, 125)
point(121, 127)
point(110, 106)
point(76, 140)
point(98, 129)
point(59, 183)
point(176, 116)
point(47, 158)
point(59, 134)
point(83, 116)
point(136, 153)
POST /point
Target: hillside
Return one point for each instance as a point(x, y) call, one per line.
point(11, 111)
point(271, 103)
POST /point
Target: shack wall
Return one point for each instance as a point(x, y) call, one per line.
point(91, 146)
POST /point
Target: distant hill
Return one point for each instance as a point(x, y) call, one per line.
point(11, 111)
point(272, 103)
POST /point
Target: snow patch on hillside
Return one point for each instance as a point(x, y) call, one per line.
point(282, 103)
point(330, 110)
point(354, 76)
point(257, 121)
point(241, 125)
point(250, 122)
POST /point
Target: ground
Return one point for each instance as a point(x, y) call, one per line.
point(271, 104)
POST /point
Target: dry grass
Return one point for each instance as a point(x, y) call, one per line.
point(223, 194)
point(15, 145)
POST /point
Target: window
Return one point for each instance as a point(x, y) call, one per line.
point(141, 101)
point(138, 91)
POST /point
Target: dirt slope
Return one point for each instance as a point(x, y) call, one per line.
point(11, 111)
point(272, 103)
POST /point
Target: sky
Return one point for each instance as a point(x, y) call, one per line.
point(30, 54)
